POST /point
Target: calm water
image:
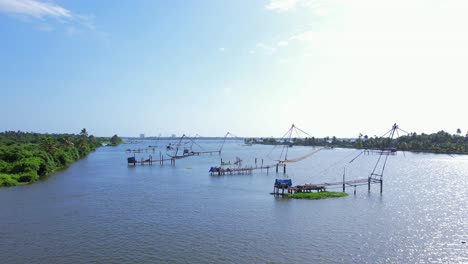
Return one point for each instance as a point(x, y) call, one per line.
point(102, 211)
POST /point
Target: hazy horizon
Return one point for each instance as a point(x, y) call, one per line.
point(233, 136)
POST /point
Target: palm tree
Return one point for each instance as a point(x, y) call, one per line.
point(84, 132)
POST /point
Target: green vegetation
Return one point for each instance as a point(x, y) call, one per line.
point(440, 142)
point(26, 157)
point(115, 141)
point(316, 195)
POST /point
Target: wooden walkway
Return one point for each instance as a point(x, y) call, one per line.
point(280, 188)
point(141, 150)
point(236, 171)
point(195, 153)
point(378, 152)
point(132, 161)
point(230, 171)
point(207, 152)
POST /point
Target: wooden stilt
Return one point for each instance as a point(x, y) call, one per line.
point(344, 173)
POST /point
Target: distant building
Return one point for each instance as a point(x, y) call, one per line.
point(142, 135)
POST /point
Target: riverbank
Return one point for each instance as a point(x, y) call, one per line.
point(27, 157)
point(316, 195)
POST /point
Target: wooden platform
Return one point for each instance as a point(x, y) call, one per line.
point(306, 188)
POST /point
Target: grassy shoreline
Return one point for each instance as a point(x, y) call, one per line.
point(316, 195)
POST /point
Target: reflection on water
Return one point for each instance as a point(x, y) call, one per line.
point(100, 210)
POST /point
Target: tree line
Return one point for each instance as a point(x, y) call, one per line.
point(25, 157)
point(440, 142)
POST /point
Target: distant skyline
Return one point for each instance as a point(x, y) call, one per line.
point(253, 68)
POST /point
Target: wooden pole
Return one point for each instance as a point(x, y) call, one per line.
point(344, 173)
point(277, 168)
point(368, 184)
point(381, 185)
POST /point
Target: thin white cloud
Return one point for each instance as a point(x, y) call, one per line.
point(43, 10)
point(416, 32)
point(317, 7)
point(265, 48)
point(281, 5)
point(389, 44)
point(269, 48)
point(282, 43)
point(34, 8)
point(222, 49)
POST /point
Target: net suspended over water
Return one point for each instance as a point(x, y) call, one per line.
point(288, 142)
point(300, 158)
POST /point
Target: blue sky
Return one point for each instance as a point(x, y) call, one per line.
point(250, 67)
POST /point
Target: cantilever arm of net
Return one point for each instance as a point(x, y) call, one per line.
point(195, 143)
point(403, 131)
point(356, 157)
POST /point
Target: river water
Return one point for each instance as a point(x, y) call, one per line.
point(102, 211)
